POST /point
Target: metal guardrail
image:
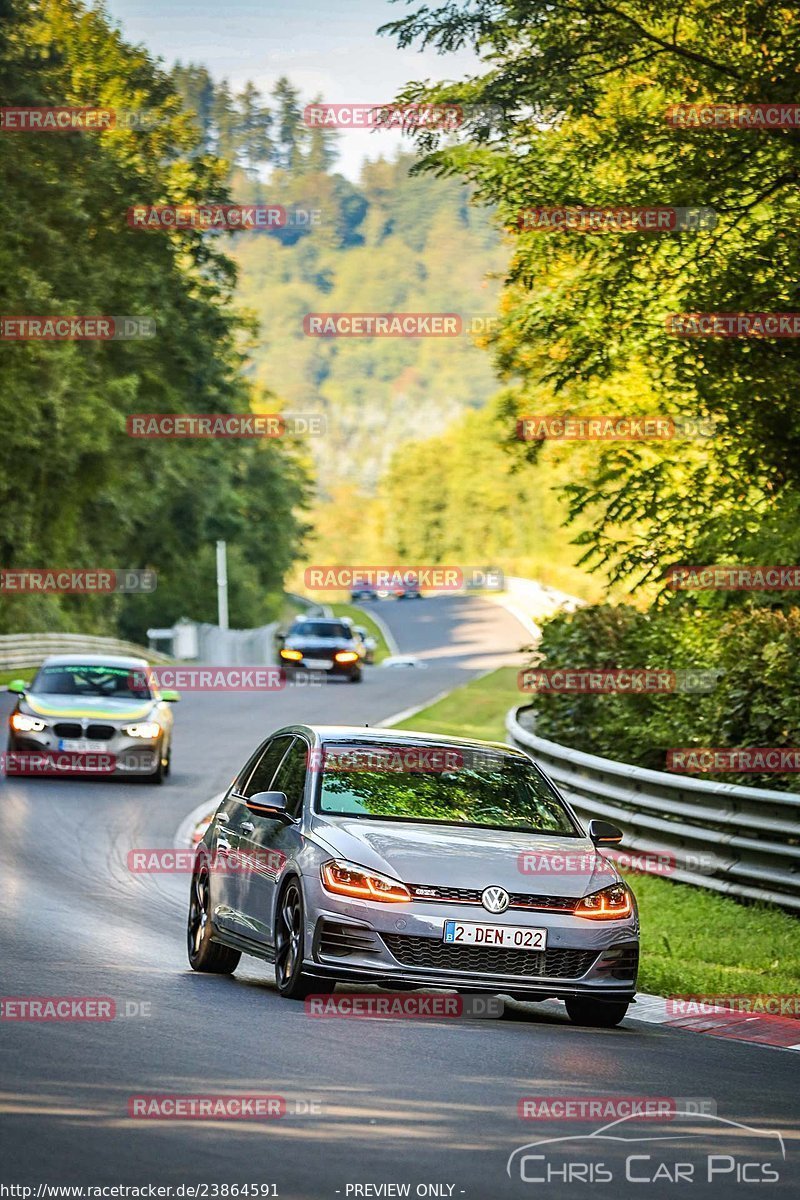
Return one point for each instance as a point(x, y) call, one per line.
point(738, 840)
point(19, 651)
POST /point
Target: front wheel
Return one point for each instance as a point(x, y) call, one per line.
point(289, 923)
point(205, 955)
point(600, 1014)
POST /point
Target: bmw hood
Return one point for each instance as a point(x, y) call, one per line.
point(452, 856)
point(95, 707)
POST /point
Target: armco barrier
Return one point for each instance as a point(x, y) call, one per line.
point(19, 651)
point(739, 840)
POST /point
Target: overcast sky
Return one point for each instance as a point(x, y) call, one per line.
point(330, 48)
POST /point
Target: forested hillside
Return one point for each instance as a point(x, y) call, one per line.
point(75, 490)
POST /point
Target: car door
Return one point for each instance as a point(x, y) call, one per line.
point(274, 840)
point(247, 863)
point(233, 826)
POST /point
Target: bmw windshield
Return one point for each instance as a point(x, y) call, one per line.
point(77, 679)
point(443, 785)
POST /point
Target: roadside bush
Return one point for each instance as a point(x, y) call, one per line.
point(754, 703)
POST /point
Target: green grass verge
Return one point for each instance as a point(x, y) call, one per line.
point(693, 940)
point(360, 617)
point(476, 710)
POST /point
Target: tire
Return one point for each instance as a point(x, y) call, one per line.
point(600, 1014)
point(290, 980)
point(354, 677)
point(205, 955)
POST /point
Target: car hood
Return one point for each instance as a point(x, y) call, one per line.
point(449, 856)
point(44, 704)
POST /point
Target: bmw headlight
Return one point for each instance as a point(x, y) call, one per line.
point(22, 723)
point(145, 729)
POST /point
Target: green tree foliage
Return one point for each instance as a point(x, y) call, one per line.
point(571, 111)
point(75, 490)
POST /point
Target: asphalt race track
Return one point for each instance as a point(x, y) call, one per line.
point(371, 1102)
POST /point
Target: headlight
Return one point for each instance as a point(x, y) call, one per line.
point(24, 724)
point(294, 655)
point(608, 904)
point(145, 729)
point(348, 879)
point(346, 656)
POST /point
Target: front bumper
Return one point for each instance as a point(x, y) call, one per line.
point(403, 945)
point(335, 670)
point(120, 756)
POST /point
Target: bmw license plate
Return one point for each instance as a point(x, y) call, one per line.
point(318, 664)
point(512, 937)
point(82, 745)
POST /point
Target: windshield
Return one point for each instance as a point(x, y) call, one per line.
point(78, 679)
point(440, 785)
point(321, 629)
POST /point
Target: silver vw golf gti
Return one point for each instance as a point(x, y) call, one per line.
point(410, 860)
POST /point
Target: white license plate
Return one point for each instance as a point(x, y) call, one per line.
point(318, 664)
point(82, 745)
point(512, 937)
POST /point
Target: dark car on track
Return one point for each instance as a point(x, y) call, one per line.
point(412, 860)
point(328, 644)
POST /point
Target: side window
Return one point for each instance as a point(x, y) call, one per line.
point(261, 778)
point(291, 777)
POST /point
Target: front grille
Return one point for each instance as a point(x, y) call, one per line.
point(489, 960)
point(67, 730)
point(337, 939)
point(100, 733)
point(453, 895)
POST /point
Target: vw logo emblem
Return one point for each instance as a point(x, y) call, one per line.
point(495, 899)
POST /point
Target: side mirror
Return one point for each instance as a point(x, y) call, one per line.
point(268, 804)
point(280, 638)
point(603, 833)
point(19, 686)
point(171, 697)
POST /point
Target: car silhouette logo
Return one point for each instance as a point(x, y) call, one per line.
point(495, 899)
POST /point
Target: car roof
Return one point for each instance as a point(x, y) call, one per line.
point(95, 660)
point(351, 733)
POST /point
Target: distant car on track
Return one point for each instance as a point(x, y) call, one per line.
point(396, 858)
point(87, 705)
point(370, 643)
point(328, 644)
point(362, 591)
